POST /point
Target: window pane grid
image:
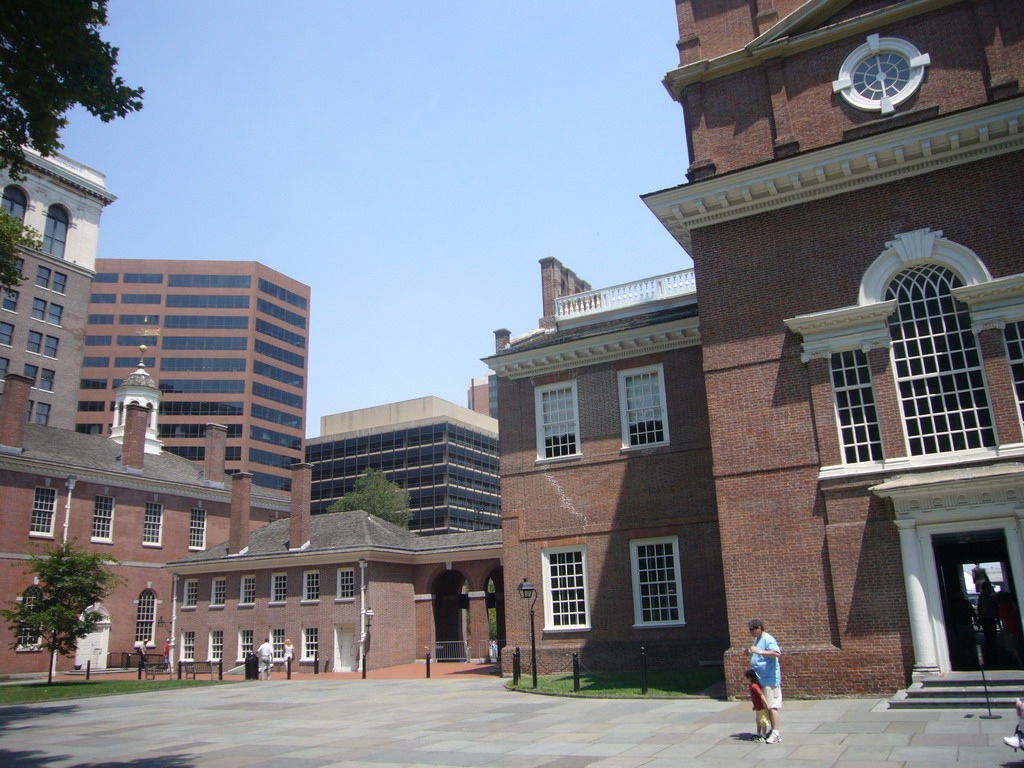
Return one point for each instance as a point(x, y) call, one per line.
point(191, 596)
point(310, 642)
point(277, 640)
point(567, 589)
point(657, 582)
point(144, 617)
point(346, 583)
point(644, 408)
point(197, 529)
point(244, 642)
point(311, 590)
point(42, 511)
point(188, 646)
point(1014, 335)
point(102, 517)
point(216, 644)
point(937, 363)
point(248, 591)
point(279, 588)
point(559, 422)
point(219, 591)
point(152, 523)
point(855, 407)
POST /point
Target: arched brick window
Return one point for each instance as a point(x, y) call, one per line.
point(28, 636)
point(144, 616)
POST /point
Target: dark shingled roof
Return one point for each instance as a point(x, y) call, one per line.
point(73, 450)
point(541, 340)
point(348, 531)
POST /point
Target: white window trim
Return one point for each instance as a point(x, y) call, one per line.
point(194, 547)
point(252, 643)
point(213, 591)
point(185, 605)
point(306, 599)
point(338, 598)
point(185, 654)
point(113, 509)
point(53, 516)
point(624, 417)
point(538, 394)
point(241, 589)
point(549, 625)
point(273, 578)
point(160, 528)
point(304, 657)
point(209, 646)
point(638, 622)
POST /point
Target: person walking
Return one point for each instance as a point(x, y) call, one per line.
point(762, 723)
point(764, 661)
point(266, 654)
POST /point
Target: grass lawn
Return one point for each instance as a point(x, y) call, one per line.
point(677, 682)
point(24, 694)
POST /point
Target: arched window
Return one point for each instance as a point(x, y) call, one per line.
point(56, 234)
point(28, 636)
point(937, 364)
point(144, 629)
point(14, 202)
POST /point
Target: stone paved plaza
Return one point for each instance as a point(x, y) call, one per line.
point(474, 722)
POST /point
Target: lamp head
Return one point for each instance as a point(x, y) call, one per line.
point(526, 589)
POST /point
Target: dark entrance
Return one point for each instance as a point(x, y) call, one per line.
point(450, 604)
point(979, 617)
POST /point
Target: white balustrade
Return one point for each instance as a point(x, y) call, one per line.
point(625, 295)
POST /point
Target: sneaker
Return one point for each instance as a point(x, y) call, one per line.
point(757, 737)
point(773, 738)
point(1013, 741)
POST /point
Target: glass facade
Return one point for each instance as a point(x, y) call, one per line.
point(450, 471)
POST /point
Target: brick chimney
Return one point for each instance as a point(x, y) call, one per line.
point(241, 496)
point(502, 338)
point(14, 412)
point(556, 281)
point(302, 479)
point(133, 449)
point(216, 447)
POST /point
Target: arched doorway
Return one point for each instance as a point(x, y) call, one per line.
point(92, 649)
point(450, 605)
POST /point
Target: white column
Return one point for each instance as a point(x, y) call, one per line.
point(925, 656)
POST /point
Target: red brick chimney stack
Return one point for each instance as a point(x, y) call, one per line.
point(241, 497)
point(14, 411)
point(556, 281)
point(216, 447)
point(502, 338)
point(133, 449)
point(302, 480)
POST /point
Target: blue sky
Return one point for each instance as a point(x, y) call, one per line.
point(410, 161)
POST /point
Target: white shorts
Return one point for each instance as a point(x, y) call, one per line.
point(773, 695)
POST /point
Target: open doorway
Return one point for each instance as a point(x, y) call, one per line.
point(980, 611)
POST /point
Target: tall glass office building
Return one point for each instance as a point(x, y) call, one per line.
point(446, 456)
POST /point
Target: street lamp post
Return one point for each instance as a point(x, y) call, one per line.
point(368, 613)
point(526, 591)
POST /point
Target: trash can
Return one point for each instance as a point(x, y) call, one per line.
point(252, 667)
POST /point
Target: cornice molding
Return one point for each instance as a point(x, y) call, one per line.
point(944, 142)
point(858, 327)
point(597, 349)
point(912, 495)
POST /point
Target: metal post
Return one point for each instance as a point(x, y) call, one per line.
point(516, 670)
point(576, 673)
point(220, 669)
point(428, 665)
point(179, 670)
point(316, 662)
point(289, 667)
point(533, 647)
point(984, 682)
point(142, 662)
point(88, 668)
point(643, 670)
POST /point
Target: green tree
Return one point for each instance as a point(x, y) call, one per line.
point(13, 236)
point(71, 580)
point(52, 58)
point(375, 494)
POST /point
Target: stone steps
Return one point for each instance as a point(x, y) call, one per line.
point(963, 690)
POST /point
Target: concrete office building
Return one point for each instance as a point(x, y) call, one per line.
point(446, 456)
point(482, 395)
point(42, 320)
point(227, 340)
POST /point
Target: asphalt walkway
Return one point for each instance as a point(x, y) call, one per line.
point(471, 720)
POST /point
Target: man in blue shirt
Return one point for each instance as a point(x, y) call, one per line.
point(764, 660)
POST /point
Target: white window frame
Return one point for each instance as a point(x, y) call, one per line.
point(310, 638)
point(188, 645)
point(274, 579)
point(216, 649)
point(550, 590)
point(311, 586)
point(346, 584)
point(539, 393)
point(219, 584)
point(250, 579)
point(151, 509)
point(103, 516)
point(197, 529)
point(277, 639)
point(190, 593)
point(246, 638)
point(662, 406)
point(634, 561)
point(43, 511)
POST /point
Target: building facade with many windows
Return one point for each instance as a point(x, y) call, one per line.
point(446, 456)
point(229, 343)
point(42, 320)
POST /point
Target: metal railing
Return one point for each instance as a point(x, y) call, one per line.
point(625, 295)
point(451, 650)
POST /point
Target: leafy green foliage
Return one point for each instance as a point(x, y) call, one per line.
point(52, 58)
point(375, 494)
point(71, 581)
point(13, 236)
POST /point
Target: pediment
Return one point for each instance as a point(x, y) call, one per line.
point(808, 17)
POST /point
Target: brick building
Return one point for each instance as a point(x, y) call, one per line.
point(229, 342)
point(121, 496)
point(854, 214)
point(42, 320)
point(346, 588)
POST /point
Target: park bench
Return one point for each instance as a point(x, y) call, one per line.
point(152, 670)
point(193, 668)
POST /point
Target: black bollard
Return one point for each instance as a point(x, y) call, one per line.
point(428, 665)
point(516, 669)
point(220, 669)
point(289, 667)
point(316, 662)
point(88, 668)
point(141, 663)
point(576, 673)
point(643, 670)
point(179, 670)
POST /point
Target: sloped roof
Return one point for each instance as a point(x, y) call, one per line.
point(76, 451)
point(350, 531)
